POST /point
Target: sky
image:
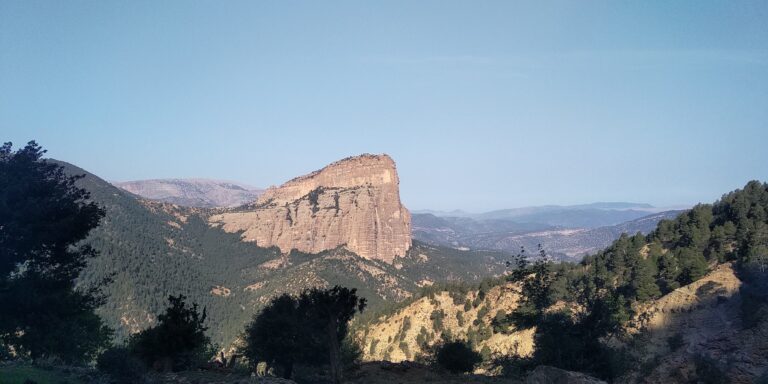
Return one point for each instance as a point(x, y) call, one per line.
point(482, 104)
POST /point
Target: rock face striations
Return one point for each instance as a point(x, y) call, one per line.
point(354, 202)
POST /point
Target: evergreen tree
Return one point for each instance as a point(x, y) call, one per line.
point(177, 342)
point(330, 311)
point(308, 329)
point(643, 282)
point(44, 217)
point(277, 335)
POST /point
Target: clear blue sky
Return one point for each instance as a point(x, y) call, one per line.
point(482, 104)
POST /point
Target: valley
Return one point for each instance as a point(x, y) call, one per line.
point(673, 290)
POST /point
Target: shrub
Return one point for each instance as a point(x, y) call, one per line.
point(121, 365)
point(675, 342)
point(708, 371)
point(457, 357)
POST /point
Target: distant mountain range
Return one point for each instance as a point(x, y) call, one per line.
point(591, 215)
point(562, 232)
point(201, 193)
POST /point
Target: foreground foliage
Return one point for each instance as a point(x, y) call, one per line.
point(308, 329)
point(44, 217)
point(177, 342)
point(457, 357)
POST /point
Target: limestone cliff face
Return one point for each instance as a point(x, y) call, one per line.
point(353, 202)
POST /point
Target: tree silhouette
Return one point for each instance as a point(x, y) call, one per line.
point(44, 217)
point(177, 342)
point(306, 329)
point(330, 311)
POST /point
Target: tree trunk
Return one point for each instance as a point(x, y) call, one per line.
point(335, 352)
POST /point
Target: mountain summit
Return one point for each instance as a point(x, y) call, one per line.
point(354, 202)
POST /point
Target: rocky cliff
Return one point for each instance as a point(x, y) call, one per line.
point(354, 202)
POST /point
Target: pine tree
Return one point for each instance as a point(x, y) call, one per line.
point(44, 217)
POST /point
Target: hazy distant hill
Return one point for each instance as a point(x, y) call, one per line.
point(591, 215)
point(559, 241)
point(203, 193)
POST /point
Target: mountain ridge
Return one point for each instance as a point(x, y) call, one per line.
point(193, 192)
point(151, 249)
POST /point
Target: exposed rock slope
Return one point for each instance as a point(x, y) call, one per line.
point(353, 202)
point(408, 332)
point(201, 193)
point(705, 319)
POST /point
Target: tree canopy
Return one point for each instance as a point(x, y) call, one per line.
point(178, 341)
point(43, 219)
point(307, 329)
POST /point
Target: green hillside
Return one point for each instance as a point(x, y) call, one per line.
point(151, 250)
point(576, 307)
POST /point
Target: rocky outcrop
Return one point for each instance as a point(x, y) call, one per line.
point(353, 203)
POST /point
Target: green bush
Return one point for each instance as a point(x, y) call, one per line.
point(457, 357)
point(121, 365)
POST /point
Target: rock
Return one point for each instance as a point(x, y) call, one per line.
point(550, 375)
point(353, 203)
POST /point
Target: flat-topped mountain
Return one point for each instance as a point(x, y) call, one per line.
point(201, 193)
point(150, 249)
point(354, 202)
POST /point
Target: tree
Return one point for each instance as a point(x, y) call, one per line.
point(535, 281)
point(277, 335)
point(44, 217)
point(177, 342)
point(307, 329)
point(330, 311)
point(643, 282)
point(457, 357)
point(693, 265)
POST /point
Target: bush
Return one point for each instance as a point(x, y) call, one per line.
point(457, 357)
point(708, 371)
point(675, 342)
point(121, 365)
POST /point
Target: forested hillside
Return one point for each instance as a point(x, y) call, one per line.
point(594, 316)
point(151, 250)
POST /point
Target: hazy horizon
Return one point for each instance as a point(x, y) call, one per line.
point(482, 105)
